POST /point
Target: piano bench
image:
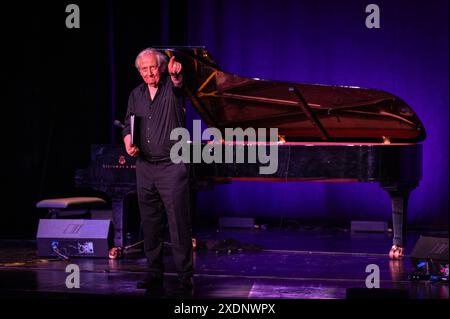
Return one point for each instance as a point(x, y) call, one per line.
point(70, 206)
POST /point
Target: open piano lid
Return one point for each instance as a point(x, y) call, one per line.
point(301, 112)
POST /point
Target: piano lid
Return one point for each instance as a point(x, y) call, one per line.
point(301, 112)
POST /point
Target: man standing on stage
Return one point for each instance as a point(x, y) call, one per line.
point(158, 103)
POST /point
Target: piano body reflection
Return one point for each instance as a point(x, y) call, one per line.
point(326, 133)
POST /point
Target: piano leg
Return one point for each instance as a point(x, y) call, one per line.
point(399, 194)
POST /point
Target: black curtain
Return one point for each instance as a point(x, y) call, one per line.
point(63, 89)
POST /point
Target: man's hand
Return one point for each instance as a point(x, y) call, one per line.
point(174, 67)
point(131, 150)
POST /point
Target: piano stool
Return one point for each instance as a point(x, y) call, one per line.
point(68, 207)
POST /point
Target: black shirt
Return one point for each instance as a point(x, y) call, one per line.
point(157, 117)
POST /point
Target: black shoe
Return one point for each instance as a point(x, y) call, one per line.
point(150, 282)
point(185, 283)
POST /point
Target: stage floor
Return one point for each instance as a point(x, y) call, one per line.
point(302, 263)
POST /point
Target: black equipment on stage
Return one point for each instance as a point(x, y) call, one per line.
point(430, 257)
point(435, 248)
point(74, 238)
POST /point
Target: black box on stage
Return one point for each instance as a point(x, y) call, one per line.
point(236, 222)
point(431, 248)
point(74, 237)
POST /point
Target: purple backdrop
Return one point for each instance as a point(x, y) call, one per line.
point(327, 42)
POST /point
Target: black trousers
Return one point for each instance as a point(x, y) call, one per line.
point(164, 187)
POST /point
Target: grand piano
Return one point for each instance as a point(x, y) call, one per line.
point(325, 133)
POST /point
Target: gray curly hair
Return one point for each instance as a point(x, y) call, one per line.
point(160, 58)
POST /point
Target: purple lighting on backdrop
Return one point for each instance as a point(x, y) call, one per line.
point(327, 42)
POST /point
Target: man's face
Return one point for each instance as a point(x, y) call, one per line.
point(148, 68)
